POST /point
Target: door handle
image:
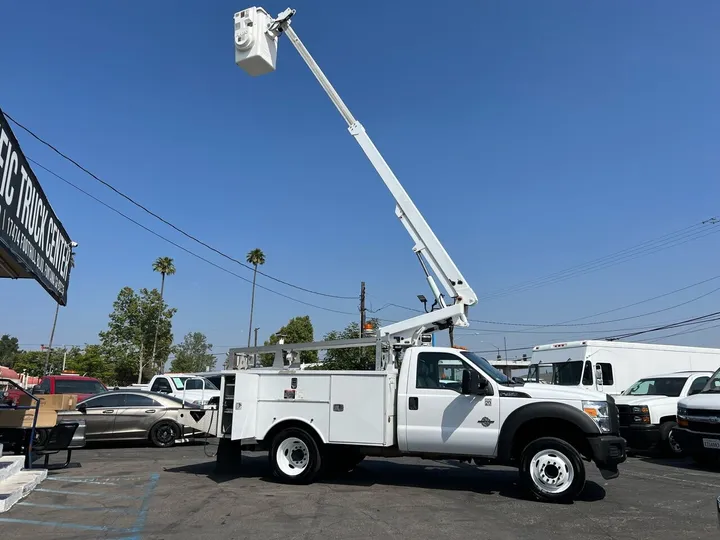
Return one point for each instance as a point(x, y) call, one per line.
point(110, 411)
point(150, 411)
point(413, 404)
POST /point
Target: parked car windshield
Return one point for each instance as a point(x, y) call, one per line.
point(487, 367)
point(193, 384)
point(78, 386)
point(662, 386)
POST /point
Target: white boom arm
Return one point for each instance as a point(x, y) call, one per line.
point(426, 243)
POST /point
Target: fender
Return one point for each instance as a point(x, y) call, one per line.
point(297, 420)
point(540, 410)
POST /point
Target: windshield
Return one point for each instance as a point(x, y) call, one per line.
point(713, 385)
point(195, 383)
point(664, 386)
point(78, 386)
point(560, 373)
point(497, 375)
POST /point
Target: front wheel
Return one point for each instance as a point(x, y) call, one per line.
point(668, 443)
point(295, 456)
point(552, 470)
point(164, 434)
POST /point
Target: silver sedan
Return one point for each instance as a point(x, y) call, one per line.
point(126, 415)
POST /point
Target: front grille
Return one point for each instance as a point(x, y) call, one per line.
point(703, 412)
point(704, 427)
point(625, 415)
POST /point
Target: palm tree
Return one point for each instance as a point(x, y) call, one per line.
point(166, 267)
point(256, 257)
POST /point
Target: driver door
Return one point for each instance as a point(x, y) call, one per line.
point(440, 419)
point(99, 415)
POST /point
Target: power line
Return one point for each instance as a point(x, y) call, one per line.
point(558, 325)
point(670, 240)
point(686, 322)
point(186, 250)
point(165, 221)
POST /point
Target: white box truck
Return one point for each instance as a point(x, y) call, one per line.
point(612, 366)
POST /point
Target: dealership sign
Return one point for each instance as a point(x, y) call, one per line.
point(33, 242)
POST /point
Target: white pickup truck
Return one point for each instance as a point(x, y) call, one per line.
point(311, 421)
point(698, 423)
point(647, 409)
point(194, 389)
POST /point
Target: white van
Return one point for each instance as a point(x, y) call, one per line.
point(612, 366)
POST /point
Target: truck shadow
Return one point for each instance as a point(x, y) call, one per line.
point(431, 475)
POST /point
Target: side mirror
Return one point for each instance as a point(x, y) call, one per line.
point(37, 390)
point(473, 383)
point(82, 408)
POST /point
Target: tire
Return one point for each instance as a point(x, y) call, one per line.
point(669, 446)
point(552, 470)
point(164, 434)
point(295, 456)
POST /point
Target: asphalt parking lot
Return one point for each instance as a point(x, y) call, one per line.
point(135, 493)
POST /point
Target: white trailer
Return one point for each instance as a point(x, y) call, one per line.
point(612, 366)
point(313, 421)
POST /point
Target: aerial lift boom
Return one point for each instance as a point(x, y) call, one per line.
point(256, 36)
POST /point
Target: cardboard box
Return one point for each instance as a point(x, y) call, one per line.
point(24, 418)
point(55, 402)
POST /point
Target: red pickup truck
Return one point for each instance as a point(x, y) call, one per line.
point(84, 387)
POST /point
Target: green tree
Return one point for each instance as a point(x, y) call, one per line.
point(358, 358)
point(257, 258)
point(8, 350)
point(193, 354)
point(33, 363)
point(297, 330)
point(166, 267)
point(90, 362)
point(130, 335)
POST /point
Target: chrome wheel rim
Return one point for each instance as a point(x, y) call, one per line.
point(552, 471)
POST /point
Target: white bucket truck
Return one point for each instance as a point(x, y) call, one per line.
point(311, 421)
point(612, 366)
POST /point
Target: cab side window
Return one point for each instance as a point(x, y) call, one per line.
point(587, 379)
point(45, 386)
point(440, 371)
point(161, 384)
point(607, 373)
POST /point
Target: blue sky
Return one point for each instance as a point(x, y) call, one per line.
point(534, 136)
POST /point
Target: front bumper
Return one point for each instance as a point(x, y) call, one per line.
point(695, 443)
point(608, 451)
point(641, 437)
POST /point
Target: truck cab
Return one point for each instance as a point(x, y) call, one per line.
point(83, 387)
point(194, 389)
point(648, 409)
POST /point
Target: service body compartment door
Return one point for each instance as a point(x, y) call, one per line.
point(357, 409)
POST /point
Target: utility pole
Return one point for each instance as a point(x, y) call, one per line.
point(52, 336)
point(255, 355)
point(505, 341)
point(362, 308)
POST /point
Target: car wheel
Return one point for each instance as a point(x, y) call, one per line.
point(552, 470)
point(295, 456)
point(669, 444)
point(164, 434)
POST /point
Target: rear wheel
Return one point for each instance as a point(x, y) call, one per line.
point(552, 470)
point(295, 456)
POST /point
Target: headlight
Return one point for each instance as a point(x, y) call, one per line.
point(599, 412)
point(641, 409)
point(682, 411)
